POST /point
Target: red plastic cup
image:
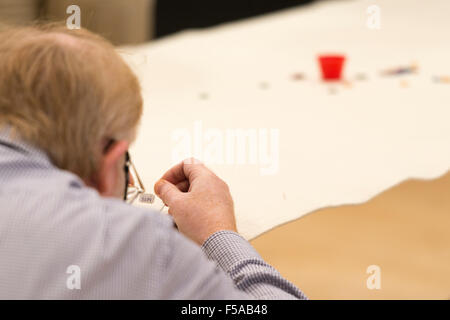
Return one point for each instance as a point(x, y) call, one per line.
point(331, 66)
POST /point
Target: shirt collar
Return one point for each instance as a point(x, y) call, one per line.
point(10, 139)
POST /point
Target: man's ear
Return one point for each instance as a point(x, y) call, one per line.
point(110, 178)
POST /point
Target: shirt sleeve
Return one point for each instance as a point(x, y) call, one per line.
point(247, 269)
point(227, 268)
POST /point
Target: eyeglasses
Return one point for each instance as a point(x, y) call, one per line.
point(134, 188)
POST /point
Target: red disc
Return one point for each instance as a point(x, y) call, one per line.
point(331, 66)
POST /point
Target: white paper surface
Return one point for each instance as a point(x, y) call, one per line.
point(334, 149)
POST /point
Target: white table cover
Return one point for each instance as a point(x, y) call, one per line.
point(333, 148)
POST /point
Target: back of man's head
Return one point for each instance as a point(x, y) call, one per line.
point(67, 92)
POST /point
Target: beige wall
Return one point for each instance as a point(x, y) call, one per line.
point(121, 21)
point(18, 11)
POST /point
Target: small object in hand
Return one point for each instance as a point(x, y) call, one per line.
point(298, 76)
point(147, 198)
point(331, 66)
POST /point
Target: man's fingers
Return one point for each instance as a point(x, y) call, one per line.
point(188, 170)
point(168, 192)
point(175, 174)
point(193, 168)
point(183, 186)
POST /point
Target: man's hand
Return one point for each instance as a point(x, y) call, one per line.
point(198, 200)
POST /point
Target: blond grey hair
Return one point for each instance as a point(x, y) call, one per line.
point(66, 92)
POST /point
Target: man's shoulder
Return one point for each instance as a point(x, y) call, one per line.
point(59, 223)
point(61, 199)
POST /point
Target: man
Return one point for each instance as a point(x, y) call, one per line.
point(69, 109)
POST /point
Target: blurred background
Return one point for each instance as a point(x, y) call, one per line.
point(136, 21)
point(404, 230)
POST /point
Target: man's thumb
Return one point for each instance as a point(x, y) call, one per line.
point(167, 191)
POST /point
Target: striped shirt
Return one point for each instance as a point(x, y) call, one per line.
point(59, 239)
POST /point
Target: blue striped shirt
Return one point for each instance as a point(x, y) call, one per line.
point(59, 239)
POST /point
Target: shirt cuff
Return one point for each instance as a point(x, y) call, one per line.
point(228, 248)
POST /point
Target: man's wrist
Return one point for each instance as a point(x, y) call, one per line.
point(228, 248)
point(216, 230)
